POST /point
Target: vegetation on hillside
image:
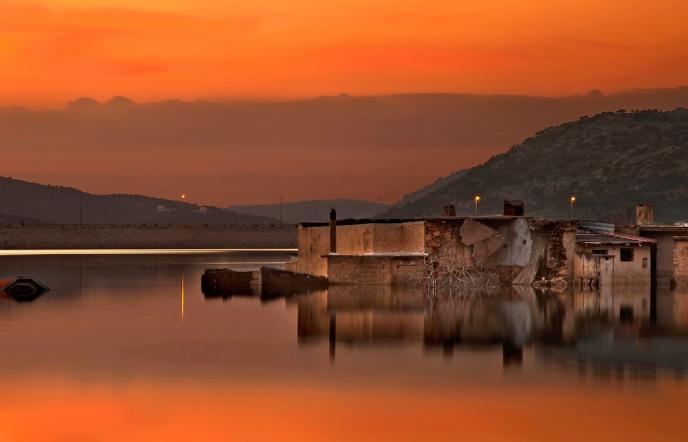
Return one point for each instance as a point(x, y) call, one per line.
point(609, 162)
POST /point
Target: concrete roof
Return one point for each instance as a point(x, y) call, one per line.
point(663, 228)
point(350, 222)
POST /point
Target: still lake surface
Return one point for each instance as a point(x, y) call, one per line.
point(127, 348)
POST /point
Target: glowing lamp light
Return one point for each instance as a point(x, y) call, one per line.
point(477, 198)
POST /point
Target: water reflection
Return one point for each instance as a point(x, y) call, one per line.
point(146, 314)
point(134, 336)
point(610, 328)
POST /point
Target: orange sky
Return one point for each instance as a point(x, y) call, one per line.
point(52, 51)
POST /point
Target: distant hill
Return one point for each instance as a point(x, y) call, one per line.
point(609, 162)
point(12, 219)
point(316, 210)
point(29, 202)
point(310, 149)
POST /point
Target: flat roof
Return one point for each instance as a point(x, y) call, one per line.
point(662, 228)
point(591, 238)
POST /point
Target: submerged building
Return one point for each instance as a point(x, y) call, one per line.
point(518, 249)
point(604, 255)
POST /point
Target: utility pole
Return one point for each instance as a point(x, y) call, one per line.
point(81, 208)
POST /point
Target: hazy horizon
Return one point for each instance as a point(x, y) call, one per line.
point(374, 148)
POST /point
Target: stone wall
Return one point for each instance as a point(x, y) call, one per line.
point(517, 249)
point(314, 242)
point(637, 270)
point(680, 275)
point(101, 236)
point(441, 234)
point(371, 269)
point(553, 250)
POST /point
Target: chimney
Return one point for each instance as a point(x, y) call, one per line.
point(448, 210)
point(644, 215)
point(514, 208)
point(333, 231)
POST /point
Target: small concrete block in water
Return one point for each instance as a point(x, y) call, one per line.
point(225, 282)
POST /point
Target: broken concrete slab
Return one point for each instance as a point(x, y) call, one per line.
point(278, 283)
point(225, 282)
point(472, 231)
point(482, 250)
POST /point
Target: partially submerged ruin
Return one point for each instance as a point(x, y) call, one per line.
point(516, 249)
point(479, 252)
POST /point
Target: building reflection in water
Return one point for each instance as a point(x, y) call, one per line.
point(606, 330)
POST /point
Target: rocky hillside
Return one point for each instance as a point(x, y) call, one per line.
point(609, 162)
point(26, 202)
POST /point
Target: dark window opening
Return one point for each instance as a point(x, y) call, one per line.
point(644, 263)
point(626, 313)
point(626, 255)
point(599, 251)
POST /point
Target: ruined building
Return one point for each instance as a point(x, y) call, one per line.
point(519, 249)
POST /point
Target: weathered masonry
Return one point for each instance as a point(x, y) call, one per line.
point(606, 256)
point(519, 249)
point(668, 262)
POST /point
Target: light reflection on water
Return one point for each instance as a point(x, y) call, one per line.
point(134, 335)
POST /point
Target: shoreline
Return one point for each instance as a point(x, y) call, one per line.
point(66, 252)
point(84, 237)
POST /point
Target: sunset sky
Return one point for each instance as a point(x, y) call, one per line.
point(52, 51)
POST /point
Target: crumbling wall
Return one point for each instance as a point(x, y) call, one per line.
point(586, 266)
point(443, 234)
point(680, 276)
point(552, 253)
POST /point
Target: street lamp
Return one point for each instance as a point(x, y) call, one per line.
point(476, 200)
point(573, 202)
point(181, 209)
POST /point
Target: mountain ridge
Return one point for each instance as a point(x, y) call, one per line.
point(47, 203)
point(241, 151)
point(610, 162)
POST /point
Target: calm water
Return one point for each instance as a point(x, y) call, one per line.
point(127, 348)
